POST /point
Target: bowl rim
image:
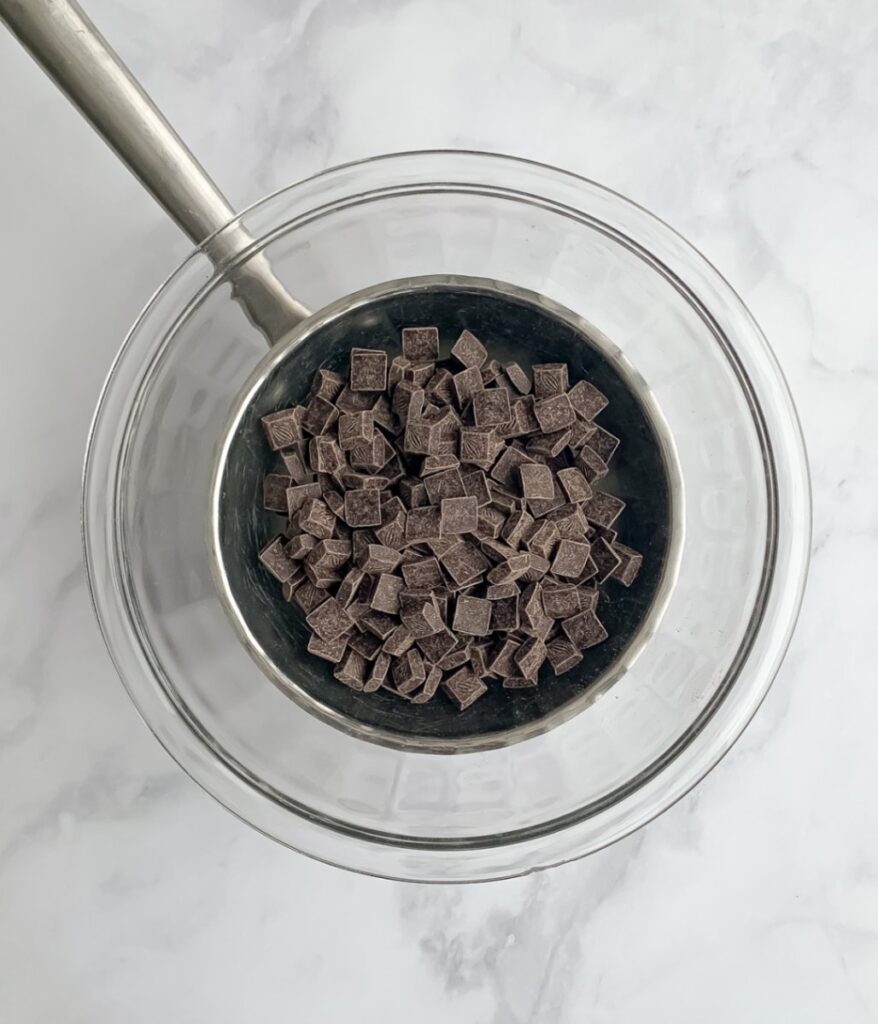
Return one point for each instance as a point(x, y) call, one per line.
point(569, 844)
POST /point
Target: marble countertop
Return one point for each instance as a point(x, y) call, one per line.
point(128, 894)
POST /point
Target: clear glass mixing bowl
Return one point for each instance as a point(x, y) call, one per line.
point(642, 742)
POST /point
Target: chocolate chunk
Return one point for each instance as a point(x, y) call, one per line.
point(570, 522)
point(419, 374)
point(536, 481)
point(329, 554)
point(355, 428)
point(396, 370)
point(580, 432)
point(479, 653)
point(561, 602)
point(349, 586)
point(491, 407)
point(454, 659)
point(562, 655)
point(523, 410)
point(289, 587)
point(420, 344)
point(399, 641)
point(475, 485)
point(422, 524)
point(540, 507)
point(315, 518)
point(629, 564)
point(491, 370)
point(554, 413)
point(300, 545)
point(274, 492)
point(502, 663)
point(378, 675)
point(409, 671)
point(329, 650)
point(587, 400)
point(570, 557)
point(499, 591)
point(603, 509)
point(534, 620)
point(530, 656)
point(275, 558)
point(379, 624)
point(506, 469)
point(519, 683)
point(362, 508)
point(477, 446)
point(472, 616)
point(605, 559)
point(385, 596)
point(439, 387)
point(298, 495)
point(423, 574)
point(591, 464)
point(464, 563)
point(391, 533)
point(295, 462)
point(469, 351)
point(408, 401)
point(431, 685)
point(550, 379)
point(283, 428)
point(420, 438)
point(465, 384)
point(327, 384)
point(458, 515)
point(541, 538)
point(447, 484)
point(352, 670)
point(510, 570)
point(490, 522)
point(308, 597)
point(584, 630)
point(550, 445)
point(519, 379)
point(498, 550)
point(413, 493)
point(589, 572)
point(503, 499)
point(537, 568)
point(378, 558)
point(604, 443)
point(319, 415)
point(576, 487)
point(434, 464)
point(356, 401)
point(419, 613)
point(463, 688)
point(366, 644)
point(437, 645)
point(505, 616)
point(588, 597)
point(368, 369)
point(335, 503)
point(518, 525)
point(329, 620)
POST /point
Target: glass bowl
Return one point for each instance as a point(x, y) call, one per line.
point(655, 725)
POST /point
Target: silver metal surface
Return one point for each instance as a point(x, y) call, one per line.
point(70, 49)
point(276, 640)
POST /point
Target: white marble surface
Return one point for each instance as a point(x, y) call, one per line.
point(126, 894)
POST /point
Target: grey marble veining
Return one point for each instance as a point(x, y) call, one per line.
point(126, 893)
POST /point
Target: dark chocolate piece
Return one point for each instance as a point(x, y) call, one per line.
point(422, 524)
point(550, 445)
point(329, 620)
point(319, 415)
point(503, 661)
point(274, 492)
point(463, 688)
point(562, 655)
point(541, 538)
point(368, 369)
point(431, 685)
point(327, 384)
point(605, 559)
point(352, 670)
point(329, 650)
point(299, 494)
point(518, 526)
point(366, 644)
point(586, 399)
point(315, 518)
point(472, 616)
point(349, 586)
point(536, 481)
point(378, 675)
point(491, 407)
point(437, 645)
point(506, 469)
point(576, 487)
point(518, 378)
point(355, 428)
point(423, 574)
point(475, 485)
point(584, 630)
point(420, 344)
point(603, 509)
point(378, 558)
point(469, 351)
point(550, 379)
point(419, 613)
point(604, 443)
point(362, 508)
point(458, 515)
point(591, 464)
point(434, 464)
point(409, 671)
point(275, 558)
point(530, 656)
point(283, 428)
point(464, 563)
point(308, 597)
point(385, 596)
point(465, 384)
point(399, 641)
point(447, 484)
point(570, 557)
point(477, 446)
point(561, 602)
point(554, 413)
point(490, 522)
point(629, 564)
